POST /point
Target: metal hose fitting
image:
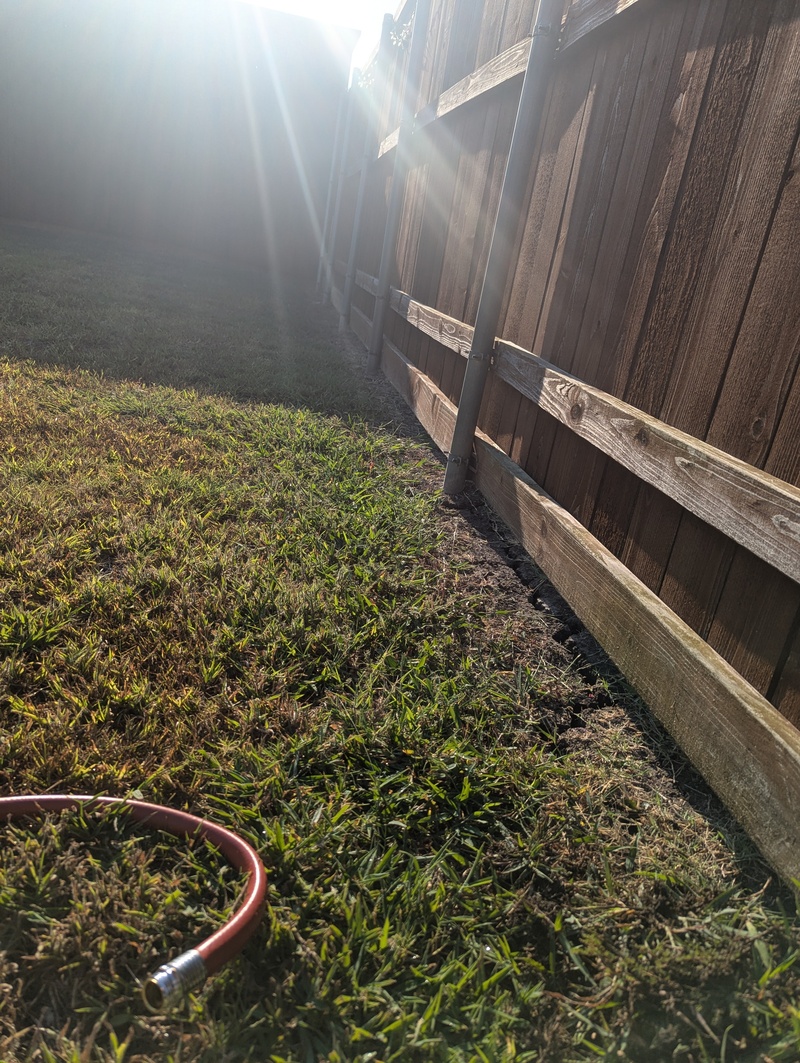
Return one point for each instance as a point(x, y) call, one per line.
point(172, 981)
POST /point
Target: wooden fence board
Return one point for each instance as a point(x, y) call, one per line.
point(367, 282)
point(447, 330)
point(753, 185)
point(695, 575)
point(786, 695)
point(616, 88)
point(682, 267)
point(784, 456)
point(644, 523)
point(655, 88)
point(463, 46)
point(573, 469)
point(750, 507)
point(584, 16)
point(756, 602)
point(756, 388)
point(434, 412)
point(651, 534)
point(490, 33)
point(553, 186)
point(505, 67)
point(684, 255)
point(506, 116)
point(476, 145)
point(743, 747)
point(360, 324)
point(663, 183)
point(551, 178)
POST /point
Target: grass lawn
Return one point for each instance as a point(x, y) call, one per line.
point(227, 583)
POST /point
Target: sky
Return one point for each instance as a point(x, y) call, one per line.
point(363, 15)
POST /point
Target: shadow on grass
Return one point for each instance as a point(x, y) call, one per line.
point(138, 313)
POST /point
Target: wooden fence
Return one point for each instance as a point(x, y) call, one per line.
point(640, 426)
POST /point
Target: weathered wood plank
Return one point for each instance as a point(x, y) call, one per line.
point(756, 387)
point(633, 252)
point(360, 324)
point(753, 508)
point(498, 71)
point(389, 143)
point(748, 753)
point(447, 330)
point(757, 606)
point(538, 251)
point(491, 32)
point(573, 468)
point(677, 280)
point(367, 282)
point(587, 15)
point(503, 68)
point(433, 410)
point(786, 696)
point(753, 188)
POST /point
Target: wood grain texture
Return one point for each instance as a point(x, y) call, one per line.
point(786, 695)
point(574, 469)
point(732, 254)
point(503, 68)
point(757, 384)
point(756, 605)
point(446, 330)
point(360, 324)
point(684, 262)
point(367, 282)
point(756, 510)
point(433, 410)
point(661, 194)
point(584, 16)
point(540, 240)
point(748, 753)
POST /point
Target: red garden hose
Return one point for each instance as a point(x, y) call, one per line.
point(171, 981)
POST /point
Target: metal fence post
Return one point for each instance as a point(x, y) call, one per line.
point(402, 164)
point(337, 147)
point(328, 278)
point(367, 158)
point(523, 144)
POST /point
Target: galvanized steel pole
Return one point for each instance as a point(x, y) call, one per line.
point(337, 147)
point(523, 144)
point(402, 163)
point(328, 278)
point(367, 158)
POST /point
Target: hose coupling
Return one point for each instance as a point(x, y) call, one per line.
point(172, 981)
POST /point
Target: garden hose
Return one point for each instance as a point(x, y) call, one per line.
point(163, 989)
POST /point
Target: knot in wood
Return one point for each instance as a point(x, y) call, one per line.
point(576, 411)
point(642, 438)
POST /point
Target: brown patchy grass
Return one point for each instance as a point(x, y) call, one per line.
point(224, 585)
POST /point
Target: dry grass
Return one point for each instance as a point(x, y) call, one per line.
point(222, 586)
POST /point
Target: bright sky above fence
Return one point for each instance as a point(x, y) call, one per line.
point(363, 15)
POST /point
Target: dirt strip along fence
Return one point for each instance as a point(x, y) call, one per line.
point(640, 426)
